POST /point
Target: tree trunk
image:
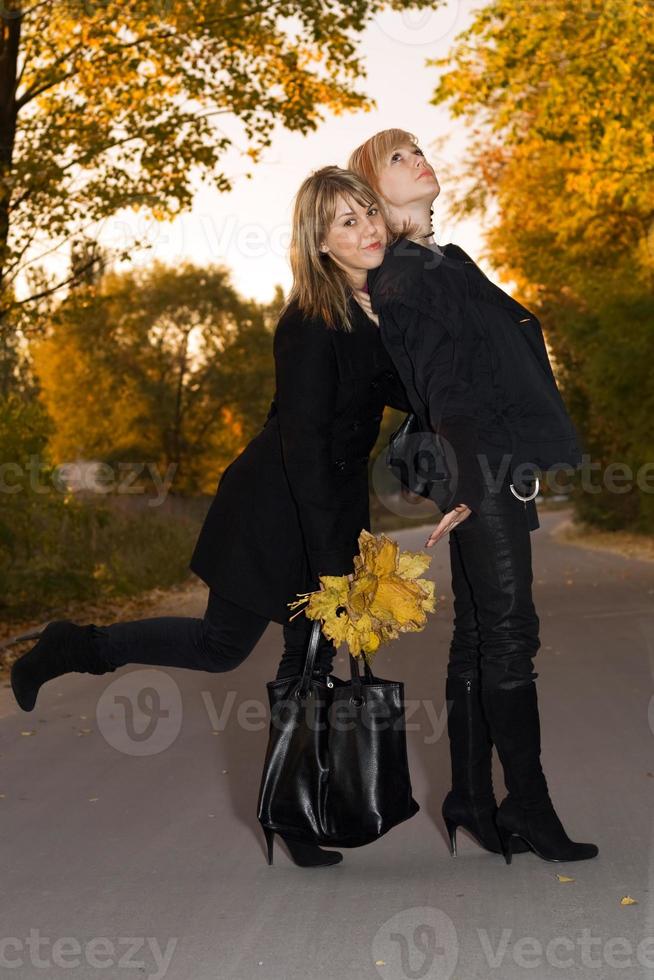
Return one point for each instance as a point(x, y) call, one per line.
point(10, 25)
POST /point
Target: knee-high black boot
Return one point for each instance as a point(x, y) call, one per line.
point(471, 801)
point(527, 812)
point(62, 647)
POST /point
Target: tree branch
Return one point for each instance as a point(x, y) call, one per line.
point(32, 93)
point(77, 275)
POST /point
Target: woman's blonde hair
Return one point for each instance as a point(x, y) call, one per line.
point(320, 287)
point(368, 160)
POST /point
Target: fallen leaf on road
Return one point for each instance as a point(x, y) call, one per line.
point(28, 733)
point(628, 900)
point(563, 878)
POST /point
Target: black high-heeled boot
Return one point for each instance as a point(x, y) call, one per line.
point(527, 813)
point(471, 801)
point(62, 647)
point(303, 854)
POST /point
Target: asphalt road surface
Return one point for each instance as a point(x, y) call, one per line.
point(131, 848)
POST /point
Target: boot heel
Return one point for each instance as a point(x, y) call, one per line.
point(451, 830)
point(270, 840)
point(506, 840)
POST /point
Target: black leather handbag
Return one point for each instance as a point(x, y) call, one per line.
point(416, 456)
point(336, 769)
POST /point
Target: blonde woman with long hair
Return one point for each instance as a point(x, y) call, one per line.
point(291, 506)
point(476, 370)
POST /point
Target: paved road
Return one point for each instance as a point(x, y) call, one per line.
point(134, 851)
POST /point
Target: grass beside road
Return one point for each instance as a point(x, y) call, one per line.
point(640, 546)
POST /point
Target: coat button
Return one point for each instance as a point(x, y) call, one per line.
point(339, 464)
point(356, 425)
point(374, 385)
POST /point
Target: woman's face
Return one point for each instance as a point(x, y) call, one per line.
point(406, 177)
point(357, 236)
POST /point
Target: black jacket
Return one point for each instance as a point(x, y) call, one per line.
point(291, 506)
point(474, 364)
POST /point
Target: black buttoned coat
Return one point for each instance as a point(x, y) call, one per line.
point(474, 364)
point(291, 506)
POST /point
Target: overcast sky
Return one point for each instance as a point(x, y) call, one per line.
point(247, 229)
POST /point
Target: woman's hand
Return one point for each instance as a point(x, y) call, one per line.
point(447, 522)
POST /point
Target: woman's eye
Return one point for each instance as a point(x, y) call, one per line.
point(348, 221)
point(396, 157)
point(419, 152)
point(372, 211)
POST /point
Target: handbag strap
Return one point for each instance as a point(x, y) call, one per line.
point(312, 648)
point(310, 659)
point(356, 678)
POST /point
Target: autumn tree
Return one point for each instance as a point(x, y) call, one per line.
point(182, 377)
point(560, 104)
point(106, 105)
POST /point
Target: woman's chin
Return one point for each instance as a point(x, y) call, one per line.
point(374, 259)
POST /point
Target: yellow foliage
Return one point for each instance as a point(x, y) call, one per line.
point(385, 597)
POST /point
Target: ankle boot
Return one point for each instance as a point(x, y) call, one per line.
point(304, 855)
point(471, 801)
point(527, 813)
point(62, 647)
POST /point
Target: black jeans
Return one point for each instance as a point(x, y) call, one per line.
point(220, 641)
point(495, 623)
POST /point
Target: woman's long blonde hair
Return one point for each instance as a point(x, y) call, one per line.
point(320, 287)
point(368, 160)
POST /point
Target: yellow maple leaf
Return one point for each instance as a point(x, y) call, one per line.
point(398, 600)
point(384, 598)
point(413, 563)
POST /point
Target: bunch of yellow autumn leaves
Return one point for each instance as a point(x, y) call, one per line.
point(384, 598)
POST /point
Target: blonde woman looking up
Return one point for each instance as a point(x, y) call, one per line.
point(476, 370)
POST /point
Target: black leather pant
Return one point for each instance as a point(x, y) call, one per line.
point(218, 642)
point(495, 623)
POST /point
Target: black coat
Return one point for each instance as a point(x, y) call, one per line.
point(291, 506)
point(474, 364)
